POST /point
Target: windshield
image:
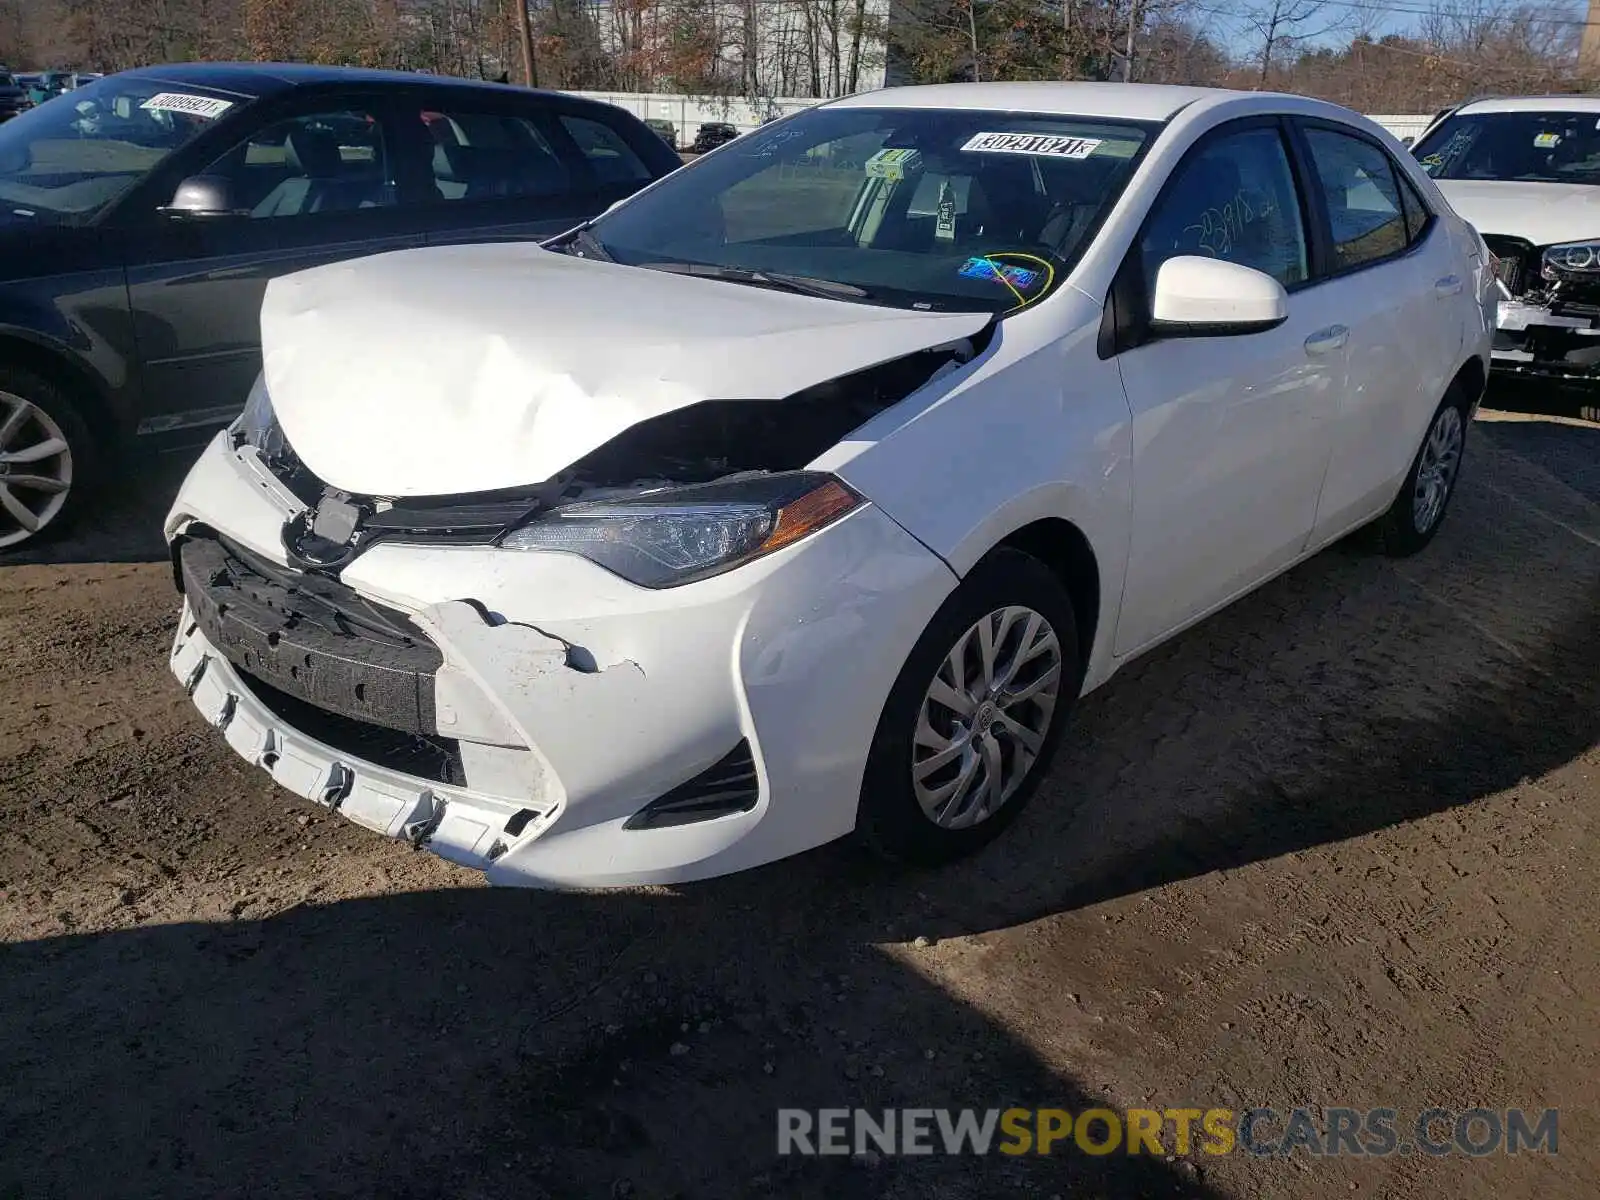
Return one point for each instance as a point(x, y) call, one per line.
point(1535, 147)
point(926, 209)
point(68, 160)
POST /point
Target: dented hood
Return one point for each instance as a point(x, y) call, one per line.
point(471, 368)
point(1542, 213)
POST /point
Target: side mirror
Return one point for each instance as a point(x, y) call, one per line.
point(204, 196)
point(1209, 297)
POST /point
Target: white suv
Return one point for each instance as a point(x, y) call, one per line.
point(1526, 172)
point(806, 491)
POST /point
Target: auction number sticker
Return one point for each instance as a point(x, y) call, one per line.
point(1051, 145)
point(208, 108)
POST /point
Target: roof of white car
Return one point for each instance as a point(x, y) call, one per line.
point(1583, 104)
point(1130, 101)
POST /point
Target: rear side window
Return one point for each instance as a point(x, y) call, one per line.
point(612, 159)
point(491, 156)
point(1417, 212)
point(1365, 213)
point(1234, 198)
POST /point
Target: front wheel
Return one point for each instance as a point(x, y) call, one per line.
point(44, 449)
point(974, 718)
point(1417, 512)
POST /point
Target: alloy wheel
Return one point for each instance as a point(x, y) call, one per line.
point(1436, 469)
point(985, 716)
point(35, 469)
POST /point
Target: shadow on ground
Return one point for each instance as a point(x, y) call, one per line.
point(480, 1044)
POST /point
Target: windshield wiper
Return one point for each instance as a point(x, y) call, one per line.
point(806, 285)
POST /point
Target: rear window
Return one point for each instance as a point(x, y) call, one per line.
point(612, 159)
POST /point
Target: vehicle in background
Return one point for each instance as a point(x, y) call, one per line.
point(47, 85)
point(666, 129)
point(13, 97)
point(713, 134)
point(141, 217)
point(1525, 171)
point(787, 499)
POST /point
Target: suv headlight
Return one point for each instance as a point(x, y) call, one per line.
point(1571, 258)
point(670, 536)
point(257, 425)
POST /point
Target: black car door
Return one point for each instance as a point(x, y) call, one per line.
point(310, 182)
point(522, 165)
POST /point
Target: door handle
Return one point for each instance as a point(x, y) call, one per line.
point(1326, 341)
point(1450, 285)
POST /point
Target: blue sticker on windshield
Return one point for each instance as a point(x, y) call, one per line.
point(986, 268)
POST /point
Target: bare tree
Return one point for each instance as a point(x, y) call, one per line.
point(1283, 26)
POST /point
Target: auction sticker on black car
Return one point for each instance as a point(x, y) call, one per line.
point(206, 107)
point(1052, 145)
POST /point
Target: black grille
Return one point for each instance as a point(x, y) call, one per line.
point(437, 759)
point(728, 786)
point(1518, 261)
point(310, 637)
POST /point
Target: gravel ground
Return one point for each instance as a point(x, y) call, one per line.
point(1336, 846)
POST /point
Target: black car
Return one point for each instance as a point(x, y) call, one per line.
point(13, 96)
point(713, 134)
point(142, 216)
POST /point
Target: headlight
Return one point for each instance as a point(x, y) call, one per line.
point(257, 425)
point(1571, 258)
point(676, 535)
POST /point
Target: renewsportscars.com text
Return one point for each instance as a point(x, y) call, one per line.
point(1330, 1132)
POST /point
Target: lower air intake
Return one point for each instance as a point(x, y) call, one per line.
point(728, 786)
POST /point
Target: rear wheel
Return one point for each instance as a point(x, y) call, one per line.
point(975, 715)
point(44, 456)
point(1418, 511)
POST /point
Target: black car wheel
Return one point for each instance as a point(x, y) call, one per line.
point(1418, 511)
point(45, 457)
point(975, 716)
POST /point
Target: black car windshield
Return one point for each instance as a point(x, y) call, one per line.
point(69, 160)
point(916, 208)
point(1533, 147)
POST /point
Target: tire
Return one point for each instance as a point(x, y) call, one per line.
point(892, 821)
point(1412, 521)
point(35, 415)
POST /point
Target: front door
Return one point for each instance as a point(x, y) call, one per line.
point(301, 191)
point(1230, 434)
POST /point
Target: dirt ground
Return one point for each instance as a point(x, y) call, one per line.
point(1336, 846)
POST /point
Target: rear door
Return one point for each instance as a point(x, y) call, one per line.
point(1393, 275)
point(313, 182)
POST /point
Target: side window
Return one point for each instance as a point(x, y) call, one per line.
point(1417, 212)
point(1364, 208)
point(610, 156)
point(318, 163)
point(1233, 199)
point(491, 156)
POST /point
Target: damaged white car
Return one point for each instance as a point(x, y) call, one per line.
point(805, 492)
point(1525, 171)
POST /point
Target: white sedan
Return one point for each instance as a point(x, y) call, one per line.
point(803, 493)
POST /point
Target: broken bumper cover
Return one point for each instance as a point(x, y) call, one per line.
point(573, 700)
point(1537, 341)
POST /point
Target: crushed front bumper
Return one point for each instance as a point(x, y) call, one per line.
point(566, 701)
point(1539, 341)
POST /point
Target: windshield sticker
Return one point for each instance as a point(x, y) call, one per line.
point(1051, 145)
point(894, 165)
point(207, 108)
point(944, 221)
point(1547, 141)
point(986, 268)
